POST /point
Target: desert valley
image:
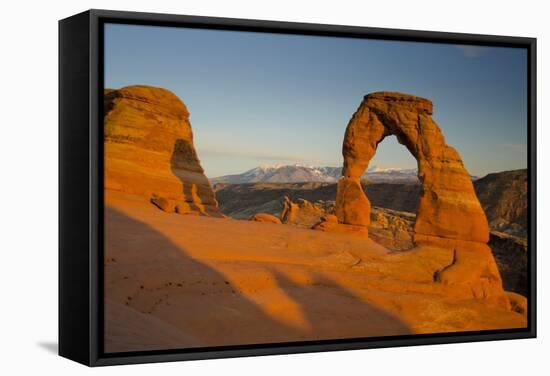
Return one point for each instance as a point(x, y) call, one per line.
point(293, 252)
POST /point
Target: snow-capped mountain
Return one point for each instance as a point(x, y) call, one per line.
point(299, 173)
point(278, 173)
point(392, 175)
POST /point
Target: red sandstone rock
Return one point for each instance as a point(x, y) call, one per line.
point(264, 217)
point(448, 205)
point(449, 214)
point(518, 303)
point(475, 271)
point(302, 212)
point(184, 207)
point(149, 148)
point(352, 206)
point(164, 204)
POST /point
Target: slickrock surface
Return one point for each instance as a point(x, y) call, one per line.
point(174, 281)
point(149, 149)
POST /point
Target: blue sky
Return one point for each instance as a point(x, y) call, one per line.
point(259, 98)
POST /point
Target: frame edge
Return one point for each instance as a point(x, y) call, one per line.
point(74, 250)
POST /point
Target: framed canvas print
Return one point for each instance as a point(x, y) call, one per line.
point(236, 187)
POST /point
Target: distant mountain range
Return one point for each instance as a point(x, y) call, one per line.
point(301, 173)
point(503, 195)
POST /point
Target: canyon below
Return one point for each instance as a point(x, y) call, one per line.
point(192, 262)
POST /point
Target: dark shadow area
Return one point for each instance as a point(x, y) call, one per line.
point(395, 196)
point(51, 347)
point(196, 189)
point(377, 322)
point(192, 275)
point(240, 200)
point(185, 157)
point(233, 197)
point(511, 255)
point(202, 306)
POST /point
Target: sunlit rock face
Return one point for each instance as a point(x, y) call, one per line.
point(449, 214)
point(149, 150)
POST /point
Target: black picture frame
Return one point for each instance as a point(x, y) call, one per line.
point(81, 185)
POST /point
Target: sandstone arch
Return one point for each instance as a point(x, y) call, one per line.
point(449, 215)
point(448, 206)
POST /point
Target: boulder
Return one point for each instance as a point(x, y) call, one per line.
point(264, 217)
point(164, 204)
point(303, 212)
point(329, 218)
point(518, 303)
point(149, 148)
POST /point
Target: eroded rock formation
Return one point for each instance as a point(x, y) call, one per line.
point(304, 213)
point(504, 198)
point(449, 214)
point(266, 218)
point(149, 150)
point(448, 205)
point(391, 228)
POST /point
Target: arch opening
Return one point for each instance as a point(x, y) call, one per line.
point(391, 184)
